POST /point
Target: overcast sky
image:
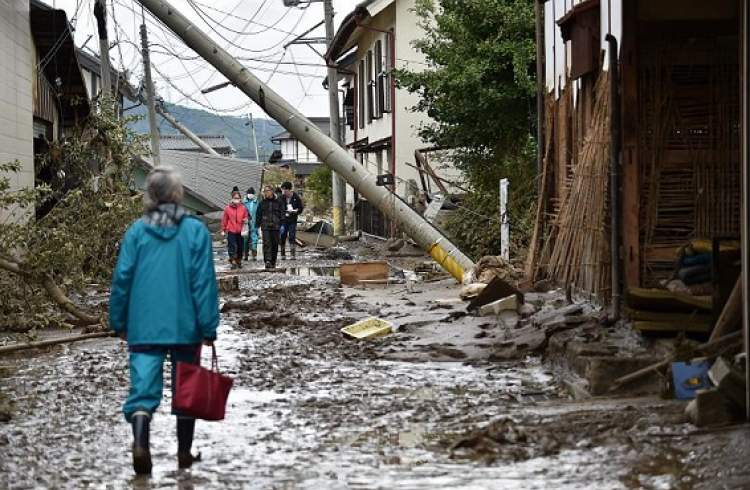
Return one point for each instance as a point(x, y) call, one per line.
point(256, 29)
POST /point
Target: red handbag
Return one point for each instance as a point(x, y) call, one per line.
point(199, 392)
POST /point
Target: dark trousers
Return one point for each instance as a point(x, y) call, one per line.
point(235, 245)
point(288, 230)
point(270, 246)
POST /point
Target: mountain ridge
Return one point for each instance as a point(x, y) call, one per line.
point(203, 122)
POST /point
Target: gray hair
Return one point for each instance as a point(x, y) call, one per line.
point(163, 185)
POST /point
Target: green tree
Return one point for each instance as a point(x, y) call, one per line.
point(319, 190)
point(89, 203)
point(479, 89)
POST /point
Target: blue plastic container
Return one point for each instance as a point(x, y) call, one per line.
point(689, 377)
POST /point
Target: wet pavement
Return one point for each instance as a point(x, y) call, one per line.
point(312, 410)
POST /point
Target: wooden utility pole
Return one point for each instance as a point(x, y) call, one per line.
point(150, 97)
point(100, 12)
point(429, 238)
point(337, 183)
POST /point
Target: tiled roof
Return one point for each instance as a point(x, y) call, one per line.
point(219, 143)
point(324, 123)
point(211, 178)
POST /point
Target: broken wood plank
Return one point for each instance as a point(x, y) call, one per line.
point(708, 346)
point(667, 301)
point(693, 326)
point(7, 349)
point(731, 315)
point(352, 274)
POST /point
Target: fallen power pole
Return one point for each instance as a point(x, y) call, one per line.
point(134, 94)
point(184, 130)
point(422, 232)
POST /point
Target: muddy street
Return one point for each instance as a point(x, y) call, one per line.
point(421, 408)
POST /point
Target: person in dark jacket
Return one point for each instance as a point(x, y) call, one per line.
point(293, 207)
point(268, 217)
point(163, 300)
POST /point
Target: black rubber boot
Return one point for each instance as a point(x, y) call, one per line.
point(293, 252)
point(185, 431)
point(141, 451)
point(282, 253)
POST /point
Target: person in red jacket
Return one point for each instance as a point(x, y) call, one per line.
point(234, 218)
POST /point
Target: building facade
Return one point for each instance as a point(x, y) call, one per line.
point(677, 138)
point(381, 127)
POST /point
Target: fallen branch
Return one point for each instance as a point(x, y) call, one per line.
point(53, 290)
point(708, 346)
point(7, 349)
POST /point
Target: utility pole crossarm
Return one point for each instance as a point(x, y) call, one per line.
point(409, 221)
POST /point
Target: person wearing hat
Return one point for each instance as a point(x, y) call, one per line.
point(251, 242)
point(268, 217)
point(234, 218)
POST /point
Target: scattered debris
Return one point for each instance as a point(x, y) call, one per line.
point(509, 303)
point(395, 244)
point(229, 284)
point(368, 328)
point(709, 408)
point(491, 267)
point(689, 377)
point(471, 291)
point(497, 289)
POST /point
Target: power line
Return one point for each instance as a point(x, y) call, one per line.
point(266, 27)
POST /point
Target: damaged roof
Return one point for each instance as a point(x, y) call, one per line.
point(210, 178)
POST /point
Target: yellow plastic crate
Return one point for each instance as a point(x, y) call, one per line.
point(369, 328)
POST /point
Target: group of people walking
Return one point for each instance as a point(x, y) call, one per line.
point(164, 298)
point(274, 214)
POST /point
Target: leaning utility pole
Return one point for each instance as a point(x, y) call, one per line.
point(422, 232)
point(255, 140)
point(150, 98)
point(184, 130)
point(337, 183)
point(100, 12)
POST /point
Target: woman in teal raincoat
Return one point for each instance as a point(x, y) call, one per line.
point(251, 242)
point(163, 301)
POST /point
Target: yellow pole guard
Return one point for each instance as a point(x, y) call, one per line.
point(447, 262)
point(337, 221)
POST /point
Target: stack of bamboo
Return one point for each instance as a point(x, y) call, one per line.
point(578, 248)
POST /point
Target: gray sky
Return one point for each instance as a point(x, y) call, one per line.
point(256, 29)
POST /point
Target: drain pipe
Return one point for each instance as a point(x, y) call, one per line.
point(614, 174)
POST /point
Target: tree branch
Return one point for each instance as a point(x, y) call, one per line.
point(52, 289)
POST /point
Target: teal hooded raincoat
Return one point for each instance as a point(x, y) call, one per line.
point(164, 288)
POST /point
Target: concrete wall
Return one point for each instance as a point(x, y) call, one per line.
point(16, 119)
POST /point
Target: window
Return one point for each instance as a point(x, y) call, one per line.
point(370, 89)
point(361, 94)
point(349, 108)
point(379, 80)
point(389, 65)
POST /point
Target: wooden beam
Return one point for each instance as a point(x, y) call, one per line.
point(630, 168)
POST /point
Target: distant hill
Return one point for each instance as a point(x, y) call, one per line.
point(204, 122)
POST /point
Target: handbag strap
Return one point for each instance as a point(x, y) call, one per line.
point(214, 359)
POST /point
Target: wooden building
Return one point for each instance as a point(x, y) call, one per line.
point(678, 131)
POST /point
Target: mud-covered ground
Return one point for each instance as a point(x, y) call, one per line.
point(420, 409)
